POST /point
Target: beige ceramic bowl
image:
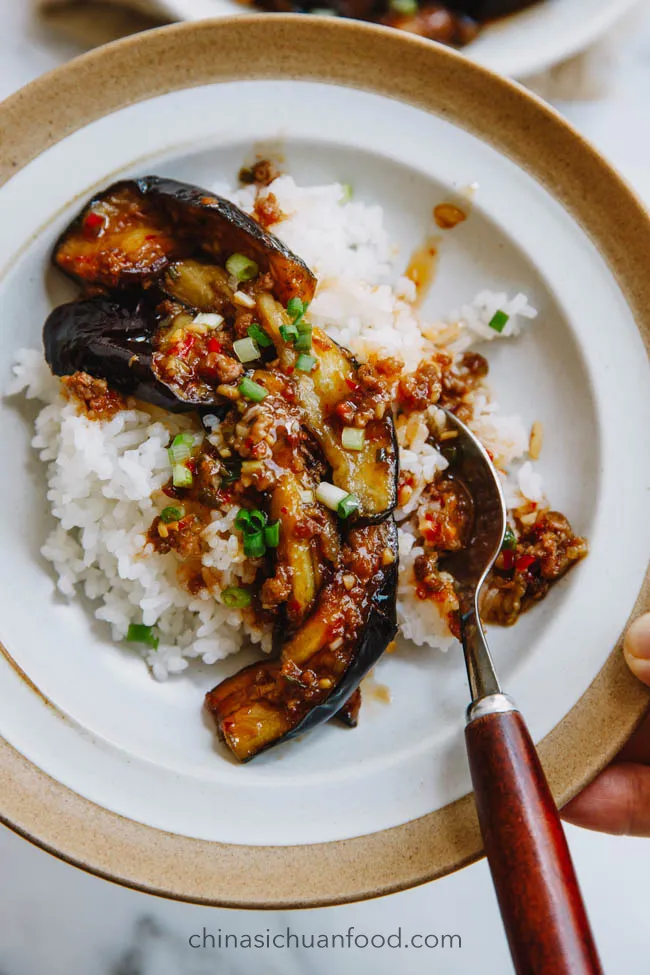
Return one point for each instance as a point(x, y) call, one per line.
point(575, 186)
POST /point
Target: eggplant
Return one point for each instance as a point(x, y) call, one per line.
point(130, 234)
point(323, 663)
point(109, 340)
point(483, 10)
point(371, 473)
point(349, 713)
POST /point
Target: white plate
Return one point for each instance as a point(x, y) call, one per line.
point(144, 749)
point(518, 46)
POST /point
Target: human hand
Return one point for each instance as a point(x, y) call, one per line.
point(618, 800)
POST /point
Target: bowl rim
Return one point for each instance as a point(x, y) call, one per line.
point(536, 138)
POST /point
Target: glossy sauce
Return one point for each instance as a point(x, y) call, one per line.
point(448, 215)
point(422, 267)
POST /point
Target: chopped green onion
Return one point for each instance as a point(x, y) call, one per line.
point(241, 267)
point(258, 519)
point(499, 321)
point(183, 445)
point(305, 363)
point(347, 506)
point(243, 300)
point(250, 522)
point(246, 350)
point(307, 497)
point(172, 514)
point(272, 534)
point(181, 476)
point(330, 495)
point(346, 193)
point(509, 539)
point(139, 633)
point(406, 7)
point(303, 342)
point(259, 335)
point(295, 307)
point(252, 390)
point(289, 333)
point(353, 438)
point(208, 318)
point(254, 546)
point(235, 597)
point(243, 520)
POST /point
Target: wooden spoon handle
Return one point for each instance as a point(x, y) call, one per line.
point(537, 889)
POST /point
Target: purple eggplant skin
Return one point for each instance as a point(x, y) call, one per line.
point(483, 10)
point(379, 632)
point(109, 340)
point(186, 221)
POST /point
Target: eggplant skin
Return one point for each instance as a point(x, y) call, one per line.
point(348, 715)
point(182, 220)
point(109, 340)
point(266, 703)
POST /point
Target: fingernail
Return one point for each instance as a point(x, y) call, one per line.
point(636, 647)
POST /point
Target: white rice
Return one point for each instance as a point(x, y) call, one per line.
point(103, 476)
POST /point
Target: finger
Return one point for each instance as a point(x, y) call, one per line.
point(636, 648)
point(618, 801)
point(637, 749)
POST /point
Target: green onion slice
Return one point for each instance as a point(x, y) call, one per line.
point(183, 445)
point(499, 321)
point(346, 192)
point(509, 539)
point(295, 307)
point(139, 633)
point(330, 495)
point(172, 514)
point(406, 7)
point(289, 333)
point(272, 534)
point(241, 267)
point(254, 546)
point(246, 350)
point(181, 476)
point(305, 363)
point(259, 335)
point(353, 438)
point(235, 597)
point(303, 341)
point(252, 390)
point(347, 506)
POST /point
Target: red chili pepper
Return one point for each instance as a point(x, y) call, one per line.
point(214, 345)
point(185, 345)
point(284, 510)
point(524, 562)
point(191, 465)
point(93, 221)
point(508, 558)
point(350, 383)
point(429, 516)
point(289, 370)
point(293, 606)
point(152, 237)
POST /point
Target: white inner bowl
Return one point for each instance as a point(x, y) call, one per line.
point(145, 749)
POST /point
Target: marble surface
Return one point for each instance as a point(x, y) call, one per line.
point(56, 920)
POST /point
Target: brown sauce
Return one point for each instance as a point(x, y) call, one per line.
point(448, 215)
point(422, 267)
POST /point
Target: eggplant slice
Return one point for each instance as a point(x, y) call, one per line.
point(109, 340)
point(130, 234)
point(322, 665)
point(370, 473)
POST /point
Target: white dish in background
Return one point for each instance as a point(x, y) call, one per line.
point(517, 46)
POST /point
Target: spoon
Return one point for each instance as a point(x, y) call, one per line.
point(541, 906)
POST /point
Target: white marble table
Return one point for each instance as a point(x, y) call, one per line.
point(56, 920)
